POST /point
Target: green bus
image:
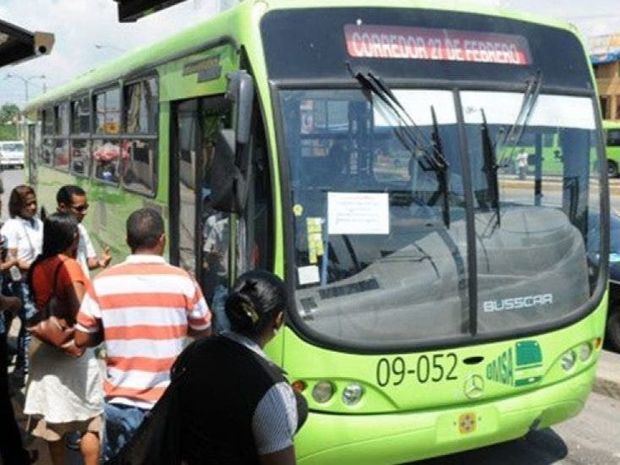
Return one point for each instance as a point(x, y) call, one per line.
point(352, 148)
point(612, 142)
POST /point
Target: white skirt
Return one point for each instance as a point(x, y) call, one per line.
point(63, 389)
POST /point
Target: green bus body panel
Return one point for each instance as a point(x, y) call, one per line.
point(425, 416)
point(613, 152)
point(524, 384)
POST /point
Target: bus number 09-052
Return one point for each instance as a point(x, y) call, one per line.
point(435, 368)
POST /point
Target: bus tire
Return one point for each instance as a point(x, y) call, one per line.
point(613, 328)
point(612, 169)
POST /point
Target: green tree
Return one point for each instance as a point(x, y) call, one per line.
point(8, 112)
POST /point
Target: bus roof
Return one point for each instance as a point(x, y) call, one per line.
point(216, 27)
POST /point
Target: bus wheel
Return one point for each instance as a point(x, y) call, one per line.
point(613, 328)
point(612, 169)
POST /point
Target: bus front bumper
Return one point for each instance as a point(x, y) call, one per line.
point(379, 439)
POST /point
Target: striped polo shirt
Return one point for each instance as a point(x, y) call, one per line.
point(145, 307)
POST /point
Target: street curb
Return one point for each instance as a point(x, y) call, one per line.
point(607, 381)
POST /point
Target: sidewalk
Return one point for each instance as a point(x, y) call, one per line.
point(550, 183)
point(608, 375)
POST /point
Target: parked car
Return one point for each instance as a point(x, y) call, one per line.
point(12, 153)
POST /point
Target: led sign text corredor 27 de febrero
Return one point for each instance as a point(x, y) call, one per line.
point(417, 43)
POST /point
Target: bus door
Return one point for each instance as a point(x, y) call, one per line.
point(200, 235)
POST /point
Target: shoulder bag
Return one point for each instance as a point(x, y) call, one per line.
point(48, 327)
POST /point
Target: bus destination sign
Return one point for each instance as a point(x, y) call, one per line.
point(417, 43)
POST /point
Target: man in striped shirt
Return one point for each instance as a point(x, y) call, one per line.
point(143, 309)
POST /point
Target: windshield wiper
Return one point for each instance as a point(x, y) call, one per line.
point(433, 159)
point(441, 172)
point(513, 136)
point(490, 168)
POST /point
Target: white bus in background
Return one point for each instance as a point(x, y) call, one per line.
point(12, 153)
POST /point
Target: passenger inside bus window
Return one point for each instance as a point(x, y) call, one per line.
point(106, 155)
point(215, 230)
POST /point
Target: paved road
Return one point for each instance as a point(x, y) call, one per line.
point(591, 438)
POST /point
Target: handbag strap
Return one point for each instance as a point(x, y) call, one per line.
point(54, 285)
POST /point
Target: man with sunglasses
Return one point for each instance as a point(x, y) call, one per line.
point(72, 199)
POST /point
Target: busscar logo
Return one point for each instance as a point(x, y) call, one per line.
point(519, 367)
point(517, 303)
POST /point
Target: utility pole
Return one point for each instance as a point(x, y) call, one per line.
point(26, 81)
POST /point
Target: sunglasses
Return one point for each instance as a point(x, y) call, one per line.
point(80, 208)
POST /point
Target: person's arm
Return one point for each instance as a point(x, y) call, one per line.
point(198, 315)
point(95, 262)
point(197, 334)
point(7, 263)
point(89, 329)
point(86, 339)
point(274, 424)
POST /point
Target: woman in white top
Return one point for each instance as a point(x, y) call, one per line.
point(23, 234)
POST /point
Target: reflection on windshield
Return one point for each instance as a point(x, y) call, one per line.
point(371, 237)
point(378, 260)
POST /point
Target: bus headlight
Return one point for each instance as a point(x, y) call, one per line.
point(322, 391)
point(352, 394)
point(568, 360)
point(585, 350)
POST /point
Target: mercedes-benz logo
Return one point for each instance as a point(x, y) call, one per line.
point(474, 386)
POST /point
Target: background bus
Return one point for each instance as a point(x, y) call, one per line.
point(436, 306)
point(612, 142)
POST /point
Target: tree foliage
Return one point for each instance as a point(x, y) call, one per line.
point(8, 112)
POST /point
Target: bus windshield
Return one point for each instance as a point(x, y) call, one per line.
point(380, 226)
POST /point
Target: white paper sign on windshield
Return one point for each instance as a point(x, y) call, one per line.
point(358, 213)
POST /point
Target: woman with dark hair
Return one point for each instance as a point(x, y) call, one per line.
point(64, 394)
point(23, 234)
point(235, 406)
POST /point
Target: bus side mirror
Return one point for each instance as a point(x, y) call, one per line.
point(229, 173)
point(241, 93)
point(227, 182)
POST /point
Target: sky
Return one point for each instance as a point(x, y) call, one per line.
point(88, 32)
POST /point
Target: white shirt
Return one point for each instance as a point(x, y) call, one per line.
point(85, 249)
point(522, 159)
point(24, 235)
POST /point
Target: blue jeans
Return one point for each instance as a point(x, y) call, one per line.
point(21, 290)
point(121, 422)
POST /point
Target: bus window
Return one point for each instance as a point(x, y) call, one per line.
point(613, 137)
point(107, 108)
point(106, 158)
point(532, 231)
point(80, 116)
point(46, 150)
point(61, 154)
point(62, 119)
point(184, 156)
point(80, 157)
point(351, 157)
point(141, 99)
point(139, 168)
